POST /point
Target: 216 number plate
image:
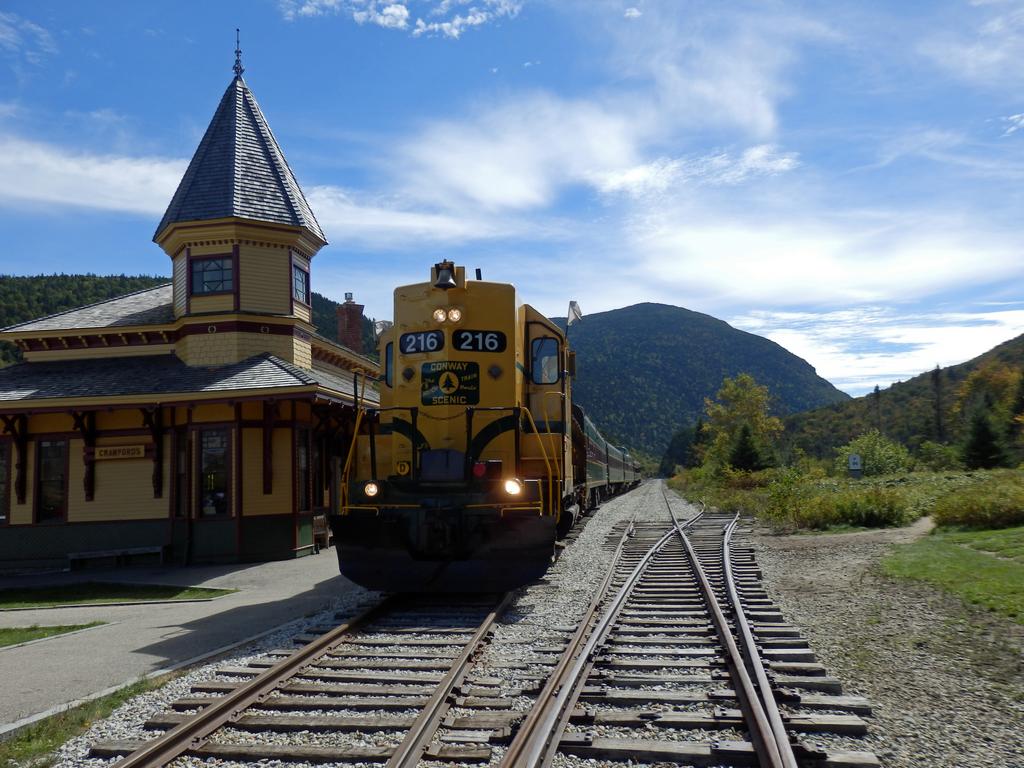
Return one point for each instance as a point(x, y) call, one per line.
point(479, 341)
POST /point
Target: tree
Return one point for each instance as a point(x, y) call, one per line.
point(744, 454)
point(679, 451)
point(937, 391)
point(740, 402)
point(982, 449)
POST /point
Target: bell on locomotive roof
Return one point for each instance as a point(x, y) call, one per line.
point(445, 275)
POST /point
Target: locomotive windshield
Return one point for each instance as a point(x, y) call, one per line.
point(544, 362)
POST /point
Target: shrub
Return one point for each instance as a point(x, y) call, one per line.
point(879, 455)
point(938, 457)
point(995, 503)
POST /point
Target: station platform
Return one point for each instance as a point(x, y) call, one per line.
point(138, 640)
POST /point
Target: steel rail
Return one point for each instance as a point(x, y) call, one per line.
point(531, 723)
point(755, 663)
point(411, 750)
point(537, 740)
point(195, 731)
point(751, 705)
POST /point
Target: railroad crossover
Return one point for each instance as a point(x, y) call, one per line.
point(680, 659)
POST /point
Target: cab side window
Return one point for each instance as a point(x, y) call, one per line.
point(389, 364)
point(544, 360)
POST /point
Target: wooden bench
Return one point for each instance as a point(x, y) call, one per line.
point(120, 556)
point(322, 536)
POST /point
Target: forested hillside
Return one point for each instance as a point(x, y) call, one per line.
point(644, 371)
point(26, 298)
point(936, 406)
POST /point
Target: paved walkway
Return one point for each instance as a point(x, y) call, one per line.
point(140, 639)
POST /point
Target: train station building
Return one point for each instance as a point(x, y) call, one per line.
point(202, 420)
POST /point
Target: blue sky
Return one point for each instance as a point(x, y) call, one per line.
point(844, 179)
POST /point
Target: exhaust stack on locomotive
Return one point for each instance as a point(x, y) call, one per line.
point(464, 476)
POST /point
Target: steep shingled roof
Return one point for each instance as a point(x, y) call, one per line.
point(150, 306)
point(161, 376)
point(239, 170)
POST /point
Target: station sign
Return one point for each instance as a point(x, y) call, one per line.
point(108, 452)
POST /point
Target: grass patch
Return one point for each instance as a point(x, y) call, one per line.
point(34, 746)
point(1007, 543)
point(960, 563)
point(16, 635)
point(792, 498)
point(100, 592)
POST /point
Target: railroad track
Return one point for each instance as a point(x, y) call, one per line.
point(687, 662)
point(680, 659)
point(374, 689)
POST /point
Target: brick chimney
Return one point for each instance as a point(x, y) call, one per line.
point(350, 324)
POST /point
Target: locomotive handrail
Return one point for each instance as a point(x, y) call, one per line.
point(547, 420)
point(355, 437)
point(544, 453)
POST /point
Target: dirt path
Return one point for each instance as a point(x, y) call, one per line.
point(946, 680)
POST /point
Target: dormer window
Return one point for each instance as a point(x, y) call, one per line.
point(215, 275)
point(300, 284)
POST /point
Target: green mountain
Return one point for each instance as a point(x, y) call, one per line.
point(643, 371)
point(906, 411)
point(26, 298)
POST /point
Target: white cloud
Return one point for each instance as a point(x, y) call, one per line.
point(23, 39)
point(516, 155)
point(1016, 123)
point(780, 257)
point(861, 347)
point(37, 173)
point(715, 65)
point(449, 18)
point(718, 168)
point(632, 13)
point(391, 16)
point(387, 224)
point(985, 51)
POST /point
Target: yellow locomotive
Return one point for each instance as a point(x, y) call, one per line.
point(464, 476)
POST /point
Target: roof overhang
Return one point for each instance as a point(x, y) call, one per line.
point(180, 234)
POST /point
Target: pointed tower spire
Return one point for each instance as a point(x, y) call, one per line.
point(239, 170)
point(238, 68)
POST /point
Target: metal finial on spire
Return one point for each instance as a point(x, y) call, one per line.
point(238, 68)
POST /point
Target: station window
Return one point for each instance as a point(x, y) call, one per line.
point(51, 481)
point(214, 488)
point(213, 276)
point(300, 284)
point(5, 481)
point(544, 360)
point(302, 469)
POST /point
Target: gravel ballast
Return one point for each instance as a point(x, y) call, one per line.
point(945, 680)
point(541, 616)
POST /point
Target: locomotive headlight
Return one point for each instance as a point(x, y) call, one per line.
point(454, 314)
point(371, 489)
point(440, 315)
point(513, 487)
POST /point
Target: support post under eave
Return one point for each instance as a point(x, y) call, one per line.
point(85, 425)
point(269, 414)
point(17, 427)
point(153, 420)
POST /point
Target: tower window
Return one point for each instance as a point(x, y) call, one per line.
point(212, 276)
point(300, 284)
